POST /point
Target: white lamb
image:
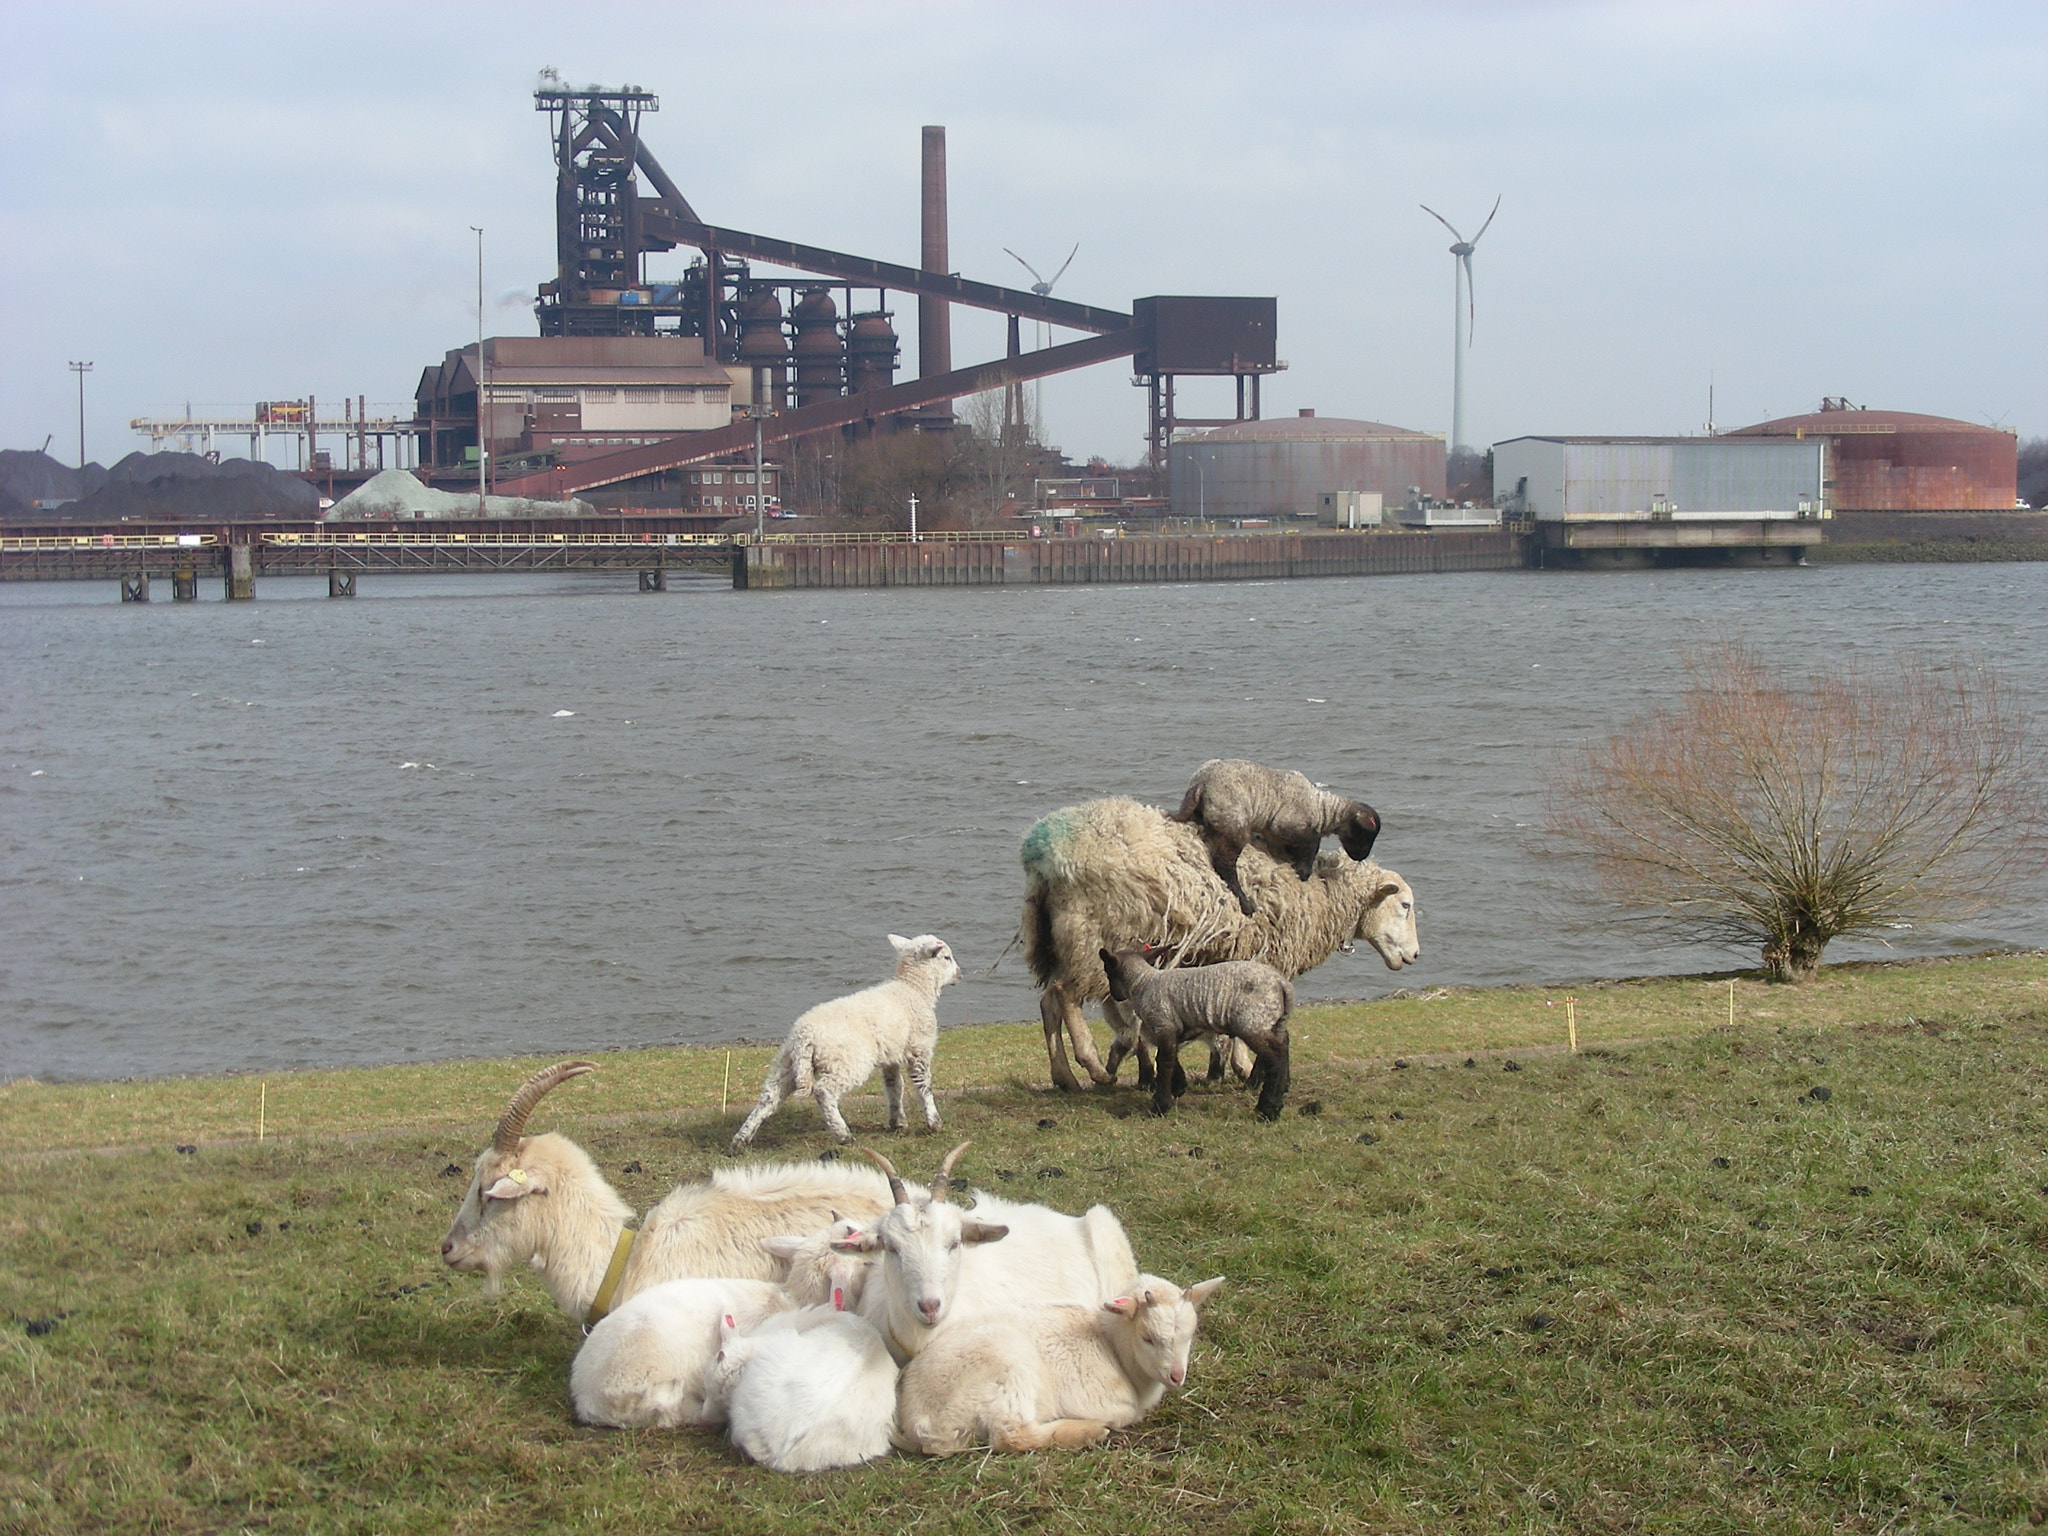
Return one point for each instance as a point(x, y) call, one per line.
point(806, 1390)
point(1050, 1375)
point(646, 1365)
point(835, 1047)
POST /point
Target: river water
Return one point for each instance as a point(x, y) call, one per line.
point(467, 816)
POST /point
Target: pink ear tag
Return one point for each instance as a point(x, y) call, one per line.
point(1121, 1301)
point(730, 1321)
point(838, 1299)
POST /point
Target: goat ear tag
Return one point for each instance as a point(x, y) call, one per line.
point(838, 1299)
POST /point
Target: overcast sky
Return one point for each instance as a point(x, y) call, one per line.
point(223, 204)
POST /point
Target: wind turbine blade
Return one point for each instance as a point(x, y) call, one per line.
point(1022, 262)
point(1064, 265)
point(1489, 220)
point(1471, 314)
point(1441, 220)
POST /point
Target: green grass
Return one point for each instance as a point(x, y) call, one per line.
point(1653, 1286)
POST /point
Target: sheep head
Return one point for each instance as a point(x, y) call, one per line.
point(1356, 830)
point(920, 1239)
point(1159, 1321)
point(500, 1222)
point(927, 954)
point(1386, 915)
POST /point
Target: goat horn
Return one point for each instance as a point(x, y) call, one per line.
point(512, 1125)
point(944, 1181)
point(896, 1189)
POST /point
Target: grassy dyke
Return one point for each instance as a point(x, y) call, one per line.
point(1656, 1285)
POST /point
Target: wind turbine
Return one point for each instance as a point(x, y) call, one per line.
point(1042, 286)
point(1462, 313)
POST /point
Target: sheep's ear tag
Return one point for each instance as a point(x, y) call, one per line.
point(1123, 1306)
point(510, 1187)
point(838, 1299)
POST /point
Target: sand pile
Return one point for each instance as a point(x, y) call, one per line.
point(397, 493)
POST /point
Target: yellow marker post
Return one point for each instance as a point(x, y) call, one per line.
point(1571, 1023)
point(1731, 1002)
point(262, 1104)
point(726, 1087)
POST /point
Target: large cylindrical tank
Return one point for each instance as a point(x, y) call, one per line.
point(820, 352)
point(1900, 461)
point(1280, 467)
point(871, 352)
point(762, 344)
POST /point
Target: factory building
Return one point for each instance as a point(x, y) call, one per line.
point(1896, 461)
point(1282, 468)
point(1570, 479)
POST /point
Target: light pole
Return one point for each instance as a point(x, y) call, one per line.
point(758, 414)
point(913, 517)
point(483, 442)
point(81, 369)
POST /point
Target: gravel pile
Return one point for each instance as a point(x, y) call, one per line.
point(398, 494)
point(187, 487)
point(28, 476)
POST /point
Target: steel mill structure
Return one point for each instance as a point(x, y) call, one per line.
point(812, 353)
point(1897, 461)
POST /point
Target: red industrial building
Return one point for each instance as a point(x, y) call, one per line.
point(1897, 461)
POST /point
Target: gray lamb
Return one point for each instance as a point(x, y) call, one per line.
point(1243, 999)
point(1235, 802)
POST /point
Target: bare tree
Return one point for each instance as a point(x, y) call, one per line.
point(1785, 813)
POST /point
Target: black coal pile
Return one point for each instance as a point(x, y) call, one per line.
point(29, 477)
point(187, 487)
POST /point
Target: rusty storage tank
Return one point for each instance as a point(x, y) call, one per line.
point(1280, 468)
point(1898, 461)
point(820, 352)
point(871, 352)
point(762, 344)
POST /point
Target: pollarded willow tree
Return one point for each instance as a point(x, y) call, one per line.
point(1785, 812)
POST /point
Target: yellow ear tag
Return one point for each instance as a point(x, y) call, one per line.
point(517, 1175)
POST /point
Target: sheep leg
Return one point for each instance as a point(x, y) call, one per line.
point(770, 1100)
point(826, 1091)
point(1273, 1051)
point(1218, 1046)
point(1067, 1434)
point(1165, 1072)
point(892, 1089)
point(1144, 1063)
point(1052, 1013)
point(1123, 1038)
point(921, 1079)
point(1224, 853)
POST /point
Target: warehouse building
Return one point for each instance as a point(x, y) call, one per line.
point(1573, 479)
point(1284, 467)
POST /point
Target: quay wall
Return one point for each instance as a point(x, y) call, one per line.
point(1175, 558)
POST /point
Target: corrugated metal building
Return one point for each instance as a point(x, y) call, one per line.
point(1572, 478)
point(1896, 461)
point(1281, 468)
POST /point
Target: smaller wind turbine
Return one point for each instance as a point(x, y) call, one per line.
point(1462, 313)
point(1042, 286)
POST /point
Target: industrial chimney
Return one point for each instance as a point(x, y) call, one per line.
point(934, 315)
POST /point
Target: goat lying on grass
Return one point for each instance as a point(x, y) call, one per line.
point(1050, 1375)
point(806, 1390)
point(1243, 1000)
point(835, 1047)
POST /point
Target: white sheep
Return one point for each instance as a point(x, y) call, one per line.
point(806, 1390)
point(1053, 1375)
point(1236, 802)
point(540, 1201)
point(940, 1264)
point(1242, 1000)
point(835, 1047)
point(646, 1364)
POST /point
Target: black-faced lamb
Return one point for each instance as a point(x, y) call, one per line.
point(1236, 802)
point(807, 1390)
point(1113, 873)
point(540, 1201)
point(1051, 1375)
point(1243, 1000)
point(835, 1047)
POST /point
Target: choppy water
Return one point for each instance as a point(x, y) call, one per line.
point(301, 832)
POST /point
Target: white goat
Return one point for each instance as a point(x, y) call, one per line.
point(938, 1266)
point(1050, 1375)
point(646, 1365)
point(540, 1201)
point(835, 1047)
point(806, 1390)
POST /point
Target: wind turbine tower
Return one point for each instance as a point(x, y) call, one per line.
point(1042, 286)
point(1461, 316)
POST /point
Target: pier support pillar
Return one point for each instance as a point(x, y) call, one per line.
point(739, 567)
point(185, 585)
point(241, 573)
point(655, 580)
point(135, 589)
point(341, 583)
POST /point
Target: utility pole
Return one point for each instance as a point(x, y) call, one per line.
point(483, 442)
point(759, 413)
point(913, 517)
point(81, 369)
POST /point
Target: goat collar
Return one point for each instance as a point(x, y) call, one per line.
point(614, 1272)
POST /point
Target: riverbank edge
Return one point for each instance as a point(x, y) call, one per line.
point(720, 1081)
